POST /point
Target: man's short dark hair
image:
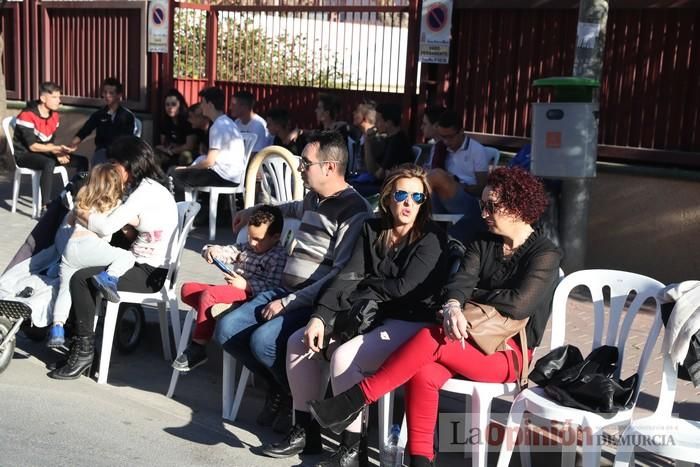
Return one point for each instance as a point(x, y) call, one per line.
point(279, 116)
point(215, 96)
point(331, 104)
point(267, 214)
point(434, 113)
point(450, 119)
point(49, 87)
point(331, 147)
point(390, 113)
point(112, 81)
point(246, 98)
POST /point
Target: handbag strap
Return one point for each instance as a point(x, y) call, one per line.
point(524, 371)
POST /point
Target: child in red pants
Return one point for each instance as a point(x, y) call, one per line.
point(257, 266)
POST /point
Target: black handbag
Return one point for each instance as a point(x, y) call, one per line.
point(362, 317)
point(587, 384)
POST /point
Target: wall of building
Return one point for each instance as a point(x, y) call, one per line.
point(645, 222)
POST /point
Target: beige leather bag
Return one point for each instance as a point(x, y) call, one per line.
point(490, 331)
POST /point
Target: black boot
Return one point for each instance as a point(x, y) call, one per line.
point(350, 453)
point(283, 421)
point(82, 352)
point(420, 461)
point(274, 400)
point(303, 438)
point(337, 413)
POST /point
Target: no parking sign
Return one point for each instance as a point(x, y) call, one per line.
point(435, 31)
point(158, 26)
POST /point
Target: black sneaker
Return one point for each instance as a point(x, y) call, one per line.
point(193, 356)
point(297, 441)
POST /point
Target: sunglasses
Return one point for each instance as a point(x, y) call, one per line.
point(400, 196)
point(488, 206)
point(304, 164)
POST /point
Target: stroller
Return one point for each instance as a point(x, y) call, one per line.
point(29, 284)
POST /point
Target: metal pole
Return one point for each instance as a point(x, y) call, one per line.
point(575, 193)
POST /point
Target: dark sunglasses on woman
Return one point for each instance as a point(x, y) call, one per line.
point(400, 196)
point(487, 206)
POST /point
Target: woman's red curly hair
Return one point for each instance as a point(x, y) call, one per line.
point(518, 192)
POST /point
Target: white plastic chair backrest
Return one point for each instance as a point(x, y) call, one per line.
point(8, 123)
point(290, 225)
point(620, 283)
point(493, 155)
point(138, 127)
point(256, 163)
point(669, 380)
point(186, 212)
point(281, 176)
point(249, 140)
point(417, 151)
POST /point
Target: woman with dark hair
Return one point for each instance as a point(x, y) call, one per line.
point(150, 208)
point(513, 268)
point(397, 269)
point(178, 141)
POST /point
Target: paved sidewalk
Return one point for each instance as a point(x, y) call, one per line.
point(130, 421)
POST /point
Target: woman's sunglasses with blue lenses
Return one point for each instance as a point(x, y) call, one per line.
point(400, 196)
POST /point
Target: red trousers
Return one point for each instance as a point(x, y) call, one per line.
point(424, 364)
point(202, 297)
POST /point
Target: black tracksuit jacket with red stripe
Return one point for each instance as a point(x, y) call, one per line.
point(31, 127)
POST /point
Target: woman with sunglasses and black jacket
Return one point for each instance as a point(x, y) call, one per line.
point(514, 268)
point(398, 266)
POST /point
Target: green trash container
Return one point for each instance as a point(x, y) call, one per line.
point(565, 131)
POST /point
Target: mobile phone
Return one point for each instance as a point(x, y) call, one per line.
point(222, 266)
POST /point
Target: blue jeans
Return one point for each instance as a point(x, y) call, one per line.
point(259, 344)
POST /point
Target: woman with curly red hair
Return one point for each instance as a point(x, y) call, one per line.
point(513, 268)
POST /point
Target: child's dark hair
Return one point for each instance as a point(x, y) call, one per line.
point(267, 214)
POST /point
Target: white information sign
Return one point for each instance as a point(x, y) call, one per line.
point(435, 26)
point(158, 26)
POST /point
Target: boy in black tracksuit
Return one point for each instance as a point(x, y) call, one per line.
point(33, 139)
point(111, 121)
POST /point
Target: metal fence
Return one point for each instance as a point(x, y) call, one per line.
point(295, 49)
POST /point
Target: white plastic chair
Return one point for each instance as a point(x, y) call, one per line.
point(166, 296)
point(281, 176)
point(685, 448)
point(481, 395)
point(229, 409)
point(249, 140)
point(8, 123)
point(535, 401)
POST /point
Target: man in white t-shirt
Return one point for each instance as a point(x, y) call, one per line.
point(458, 175)
point(248, 121)
point(224, 163)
